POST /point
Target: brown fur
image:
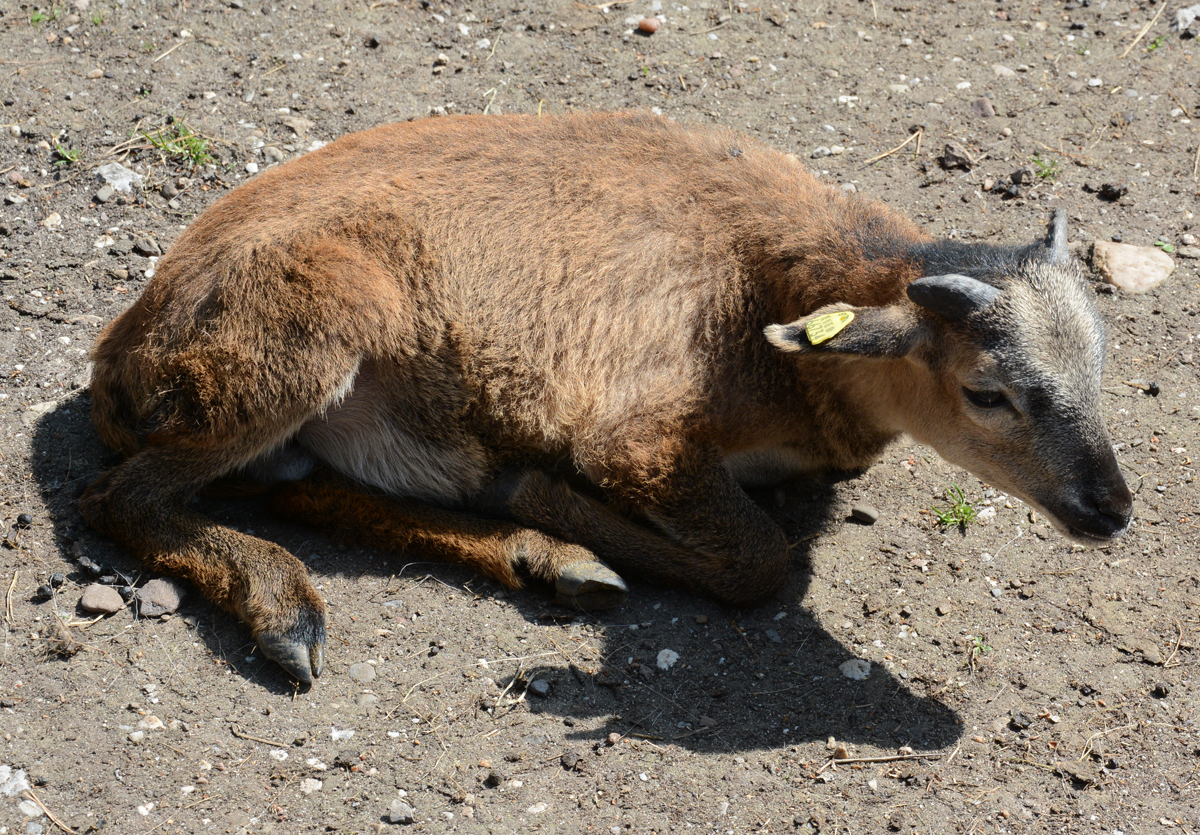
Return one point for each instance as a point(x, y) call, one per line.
point(425, 307)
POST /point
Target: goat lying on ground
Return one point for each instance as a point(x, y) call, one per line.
point(530, 344)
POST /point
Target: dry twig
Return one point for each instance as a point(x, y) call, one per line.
point(911, 137)
point(53, 819)
point(240, 735)
point(1145, 29)
point(9, 617)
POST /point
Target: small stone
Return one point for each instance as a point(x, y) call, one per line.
point(15, 199)
point(612, 739)
point(24, 520)
point(1134, 269)
point(273, 154)
point(96, 73)
point(159, 597)
point(43, 593)
point(151, 723)
point(362, 672)
point(57, 579)
point(400, 812)
point(309, 785)
point(1006, 132)
point(1161, 690)
point(873, 604)
point(52, 220)
point(666, 659)
point(146, 247)
point(1188, 239)
point(997, 593)
point(1190, 252)
point(707, 722)
point(105, 193)
point(570, 760)
point(540, 688)
point(989, 184)
point(856, 669)
point(649, 25)
point(252, 168)
point(365, 699)
point(1019, 720)
point(137, 736)
point(865, 513)
point(944, 609)
point(1001, 71)
point(701, 619)
point(841, 751)
point(1075, 87)
point(492, 780)
point(983, 107)
point(347, 760)
point(101, 599)
point(168, 190)
point(955, 155)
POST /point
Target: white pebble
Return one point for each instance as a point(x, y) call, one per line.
point(252, 168)
point(667, 659)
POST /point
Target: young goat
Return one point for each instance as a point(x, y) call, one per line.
point(527, 345)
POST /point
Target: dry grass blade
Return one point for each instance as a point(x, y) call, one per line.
point(1145, 29)
point(53, 819)
point(9, 617)
point(911, 137)
point(240, 735)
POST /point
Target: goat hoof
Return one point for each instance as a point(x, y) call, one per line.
point(589, 586)
point(300, 650)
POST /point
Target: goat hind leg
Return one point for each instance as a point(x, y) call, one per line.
point(495, 548)
point(142, 503)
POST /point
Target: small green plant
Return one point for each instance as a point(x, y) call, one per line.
point(66, 156)
point(978, 646)
point(98, 18)
point(960, 514)
point(1045, 169)
point(178, 141)
point(1164, 246)
point(38, 17)
point(1156, 43)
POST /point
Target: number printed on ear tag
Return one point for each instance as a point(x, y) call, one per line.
point(828, 326)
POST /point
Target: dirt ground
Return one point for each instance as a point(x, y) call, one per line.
point(1047, 688)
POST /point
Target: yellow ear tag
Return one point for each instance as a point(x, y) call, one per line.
point(828, 326)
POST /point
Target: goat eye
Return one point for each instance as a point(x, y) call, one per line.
point(985, 399)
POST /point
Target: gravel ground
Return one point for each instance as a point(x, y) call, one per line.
point(1016, 683)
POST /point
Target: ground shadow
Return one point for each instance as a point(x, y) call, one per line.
point(748, 679)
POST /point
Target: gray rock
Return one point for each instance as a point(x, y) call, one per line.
point(1188, 252)
point(362, 672)
point(273, 154)
point(773, 636)
point(119, 177)
point(955, 155)
point(158, 597)
point(105, 194)
point(865, 513)
point(540, 687)
point(101, 599)
point(983, 107)
point(146, 247)
point(168, 190)
point(400, 812)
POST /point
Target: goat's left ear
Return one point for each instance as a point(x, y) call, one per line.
point(890, 331)
point(1056, 238)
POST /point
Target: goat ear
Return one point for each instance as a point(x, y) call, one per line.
point(872, 332)
point(1056, 238)
point(952, 296)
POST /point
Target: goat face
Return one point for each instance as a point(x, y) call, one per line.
point(995, 361)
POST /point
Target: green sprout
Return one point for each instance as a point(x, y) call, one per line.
point(178, 141)
point(66, 156)
point(1164, 246)
point(960, 514)
point(1046, 169)
point(1156, 43)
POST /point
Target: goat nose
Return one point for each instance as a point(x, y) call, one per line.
point(1117, 505)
